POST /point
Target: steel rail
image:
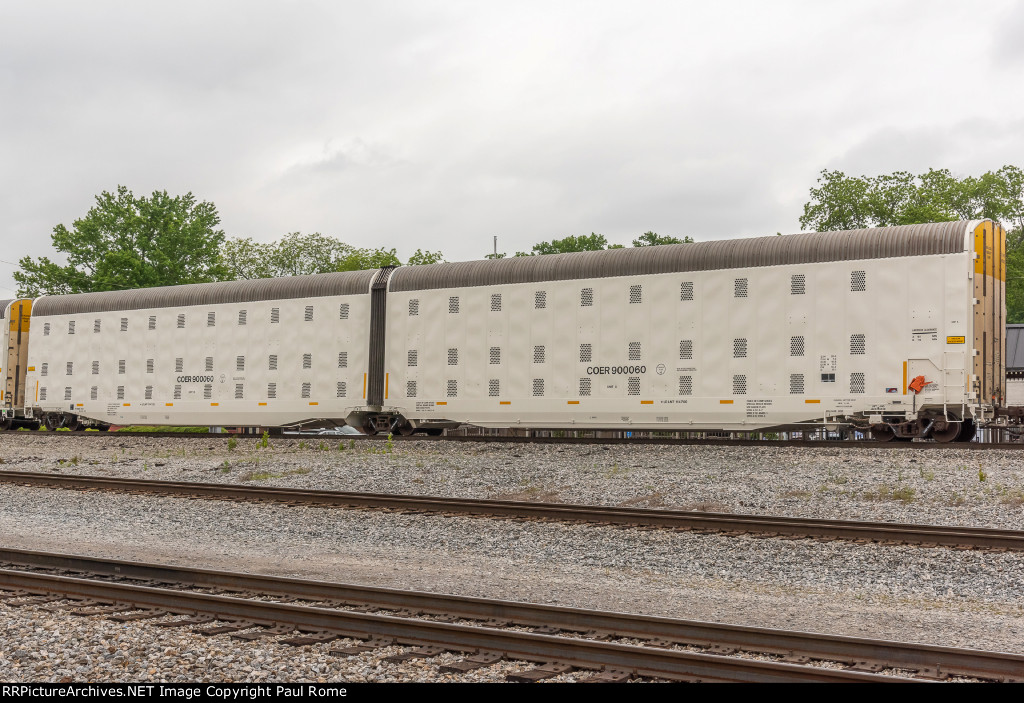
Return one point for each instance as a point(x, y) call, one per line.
point(581, 653)
point(929, 535)
point(888, 654)
point(632, 441)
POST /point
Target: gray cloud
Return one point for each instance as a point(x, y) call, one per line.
point(437, 125)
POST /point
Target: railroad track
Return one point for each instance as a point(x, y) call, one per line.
point(632, 441)
point(616, 645)
point(730, 524)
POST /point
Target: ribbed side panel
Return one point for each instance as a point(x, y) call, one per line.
point(378, 325)
point(876, 243)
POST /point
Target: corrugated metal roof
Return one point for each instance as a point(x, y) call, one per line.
point(3, 307)
point(876, 243)
point(323, 284)
point(1015, 348)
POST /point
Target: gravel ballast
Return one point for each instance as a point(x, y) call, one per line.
point(939, 596)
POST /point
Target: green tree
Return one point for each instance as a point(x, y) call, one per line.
point(651, 239)
point(591, 242)
point(425, 257)
point(901, 198)
point(128, 242)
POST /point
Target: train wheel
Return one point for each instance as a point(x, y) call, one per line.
point(6, 423)
point(405, 429)
point(967, 431)
point(76, 425)
point(436, 432)
point(103, 428)
point(882, 433)
point(945, 431)
point(369, 429)
point(52, 422)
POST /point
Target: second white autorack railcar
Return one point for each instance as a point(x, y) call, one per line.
point(898, 330)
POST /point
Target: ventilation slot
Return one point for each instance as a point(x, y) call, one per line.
point(796, 383)
point(858, 281)
point(239, 363)
point(538, 354)
point(124, 324)
point(686, 385)
point(739, 385)
point(45, 369)
point(796, 346)
point(46, 329)
point(208, 391)
point(306, 389)
point(120, 392)
point(342, 390)
point(152, 322)
point(410, 389)
point(238, 391)
point(495, 355)
point(307, 361)
point(633, 386)
point(42, 392)
point(271, 391)
point(243, 316)
point(540, 299)
point(209, 363)
point(798, 284)
point(95, 368)
point(636, 295)
point(120, 365)
point(587, 298)
point(739, 348)
point(453, 305)
point(858, 343)
point(856, 382)
point(585, 386)
point(740, 288)
point(275, 315)
point(414, 307)
point(67, 392)
point(634, 351)
point(453, 357)
point(272, 362)
point(538, 386)
point(95, 329)
point(309, 313)
point(343, 315)
point(211, 319)
point(453, 388)
point(71, 326)
point(685, 348)
point(149, 392)
point(686, 291)
point(179, 365)
point(149, 366)
point(93, 392)
point(495, 302)
point(413, 357)
point(342, 360)
point(70, 368)
point(586, 353)
point(181, 321)
point(177, 392)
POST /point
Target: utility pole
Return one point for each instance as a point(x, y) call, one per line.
point(495, 246)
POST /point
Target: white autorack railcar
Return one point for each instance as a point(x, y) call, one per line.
point(896, 330)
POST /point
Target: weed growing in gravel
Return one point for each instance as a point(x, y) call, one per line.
point(74, 460)
point(145, 466)
point(225, 467)
point(389, 445)
point(926, 474)
point(323, 447)
point(265, 441)
point(341, 446)
point(956, 500)
point(302, 444)
point(232, 443)
point(982, 476)
point(351, 444)
point(1014, 498)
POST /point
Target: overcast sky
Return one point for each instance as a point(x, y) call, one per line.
point(437, 125)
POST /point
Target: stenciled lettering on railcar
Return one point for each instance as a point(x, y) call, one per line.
point(194, 379)
point(625, 370)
